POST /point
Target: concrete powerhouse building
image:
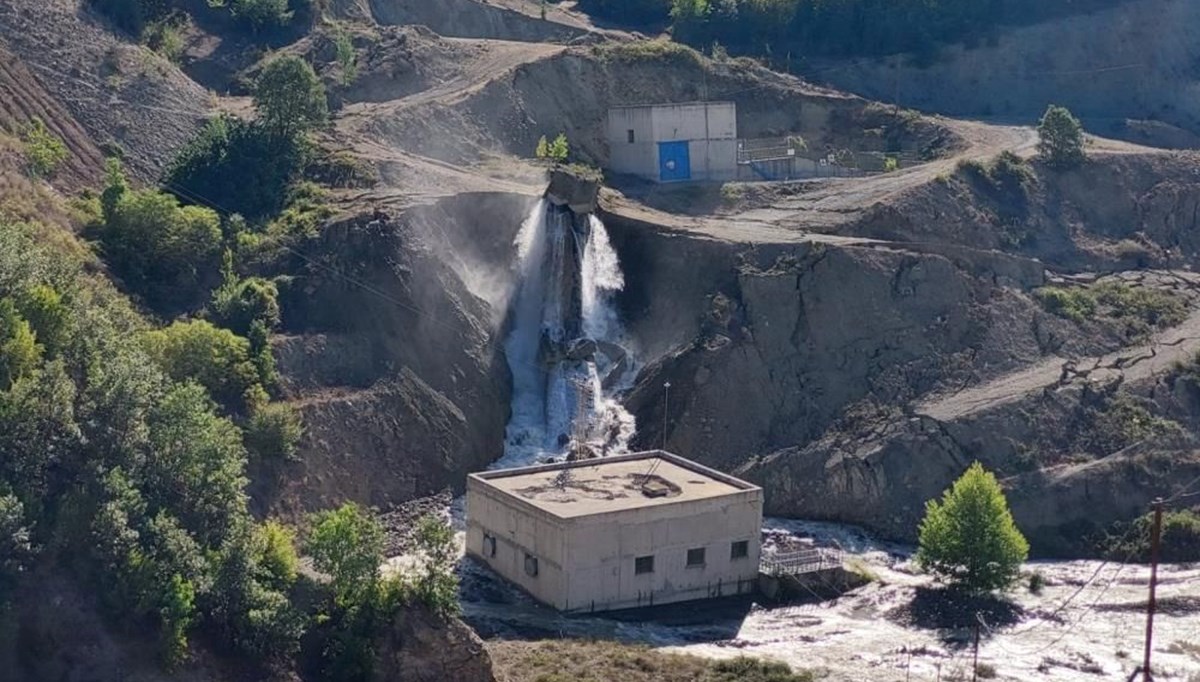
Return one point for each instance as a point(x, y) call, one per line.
point(674, 142)
point(617, 532)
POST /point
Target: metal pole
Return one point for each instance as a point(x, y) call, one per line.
point(1155, 538)
point(666, 403)
point(975, 663)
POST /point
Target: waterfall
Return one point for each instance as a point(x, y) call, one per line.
point(566, 345)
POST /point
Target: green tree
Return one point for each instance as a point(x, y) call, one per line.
point(1060, 138)
point(274, 432)
point(346, 57)
point(48, 317)
point(238, 303)
point(242, 166)
point(164, 251)
point(969, 538)
point(19, 349)
point(347, 544)
point(115, 187)
point(216, 358)
point(559, 149)
point(261, 14)
point(176, 613)
point(16, 544)
point(289, 97)
point(44, 151)
point(277, 553)
point(437, 586)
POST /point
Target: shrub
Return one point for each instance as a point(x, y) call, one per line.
point(746, 669)
point(347, 544)
point(1122, 422)
point(969, 538)
point(165, 36)
point(1060, 138)
point(48, 316)
point(242, 167)
point(16, 544)
point(274, 431)
point(1037, 582)
point(557, 150)
point(238, 303)
point(1074, 303)
point(261, 14)
point(346, 58)
point(1180, 540)
point(216, 358)
point(277, 546)
point(437, 586)
point(289, 97)
point(132, 15)
point(19, 350)
point(44, 151)
point(164, 251)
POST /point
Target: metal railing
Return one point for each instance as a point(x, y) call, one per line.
point(801, 561)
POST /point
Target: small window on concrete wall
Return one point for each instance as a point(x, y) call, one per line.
point(531, 567)
point(739, 550)
point(489, 545)
point(629, 136)
point(643, 564)
point(695, 557)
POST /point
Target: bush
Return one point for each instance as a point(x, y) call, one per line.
point(746, 669)
point(216, 358)
point(289, 97)
point(238, 303)
point(437, 586)
point(242, 167)
point(47, 315)
point(558, 150)
point(44, 151)
point(19, 350)
point(164, 251)
point(261, 14)
point(1060, 138)
point(1037, 582)
point(273, 432)
point(347, 544)
point(277, 546)
point(969, 538)
point(132, 15)
point(1180, 540)
point(1075, 304)
point(165, 36)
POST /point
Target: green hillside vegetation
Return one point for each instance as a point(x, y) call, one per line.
point(795, 29)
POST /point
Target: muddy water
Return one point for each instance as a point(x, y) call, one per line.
point(1086, 624)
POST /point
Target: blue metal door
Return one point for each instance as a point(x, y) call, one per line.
point(673, 162)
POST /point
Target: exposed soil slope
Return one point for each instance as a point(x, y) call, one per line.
point(1134, 61)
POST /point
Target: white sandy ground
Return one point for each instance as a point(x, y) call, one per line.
point(1086, 625)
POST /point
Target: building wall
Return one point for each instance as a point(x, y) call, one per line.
point(711, 137)
point(640, 157)
point(519, 529)
point(602, 549)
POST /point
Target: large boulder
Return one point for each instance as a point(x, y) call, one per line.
point(424, 647)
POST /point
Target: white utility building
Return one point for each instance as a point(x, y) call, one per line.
point(674, 142)
point(617, 532)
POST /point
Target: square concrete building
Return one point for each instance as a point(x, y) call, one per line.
point(674, 142)
point(617, 532)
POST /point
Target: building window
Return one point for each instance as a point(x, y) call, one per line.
point(489, 545)
point(739, 550)
point(695, 557)
point(629, 136)
point(531, 567)
point(643, 564)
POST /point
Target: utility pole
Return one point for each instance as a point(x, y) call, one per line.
point(975, 662)
point(1155, 540)
point(666, 404)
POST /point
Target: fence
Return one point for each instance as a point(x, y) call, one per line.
point(801, 561)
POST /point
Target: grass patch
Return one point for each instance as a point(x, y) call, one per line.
point(1138, 309)
point(603, 661)
point(658, 49)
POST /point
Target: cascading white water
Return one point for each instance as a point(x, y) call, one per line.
point(548, 330)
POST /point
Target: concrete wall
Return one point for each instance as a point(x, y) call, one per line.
point(712, 138)
point(519, 529)
point(602, 550)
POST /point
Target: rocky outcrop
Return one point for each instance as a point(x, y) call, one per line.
point(577, 189)
point(423, 647)
point(395, 364)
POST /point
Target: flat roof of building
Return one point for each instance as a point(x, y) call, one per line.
point(616, 483)
point(693, 103)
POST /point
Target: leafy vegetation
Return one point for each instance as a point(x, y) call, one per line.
point(602, 661)
point(969, 538)
point(166, 252)
point(1137, 309)
point(777, 28)
point(1122, 420)
point(347, 58)
point(290, 97)
point(1180, 541)
point(557, 150)
point(141, 18)
point(216, 358)
point(1060, 138)
point(44, 151)
point(104, 451)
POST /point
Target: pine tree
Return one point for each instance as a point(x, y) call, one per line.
point(969, 538)
point(1060, 138)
